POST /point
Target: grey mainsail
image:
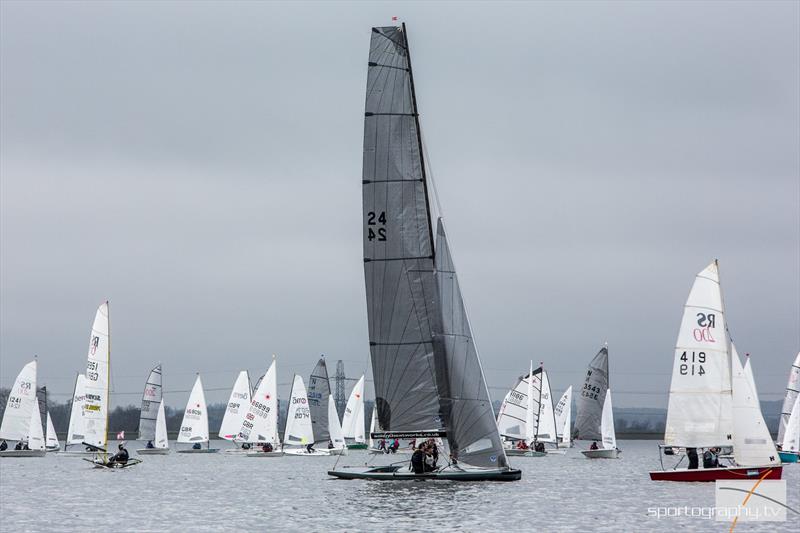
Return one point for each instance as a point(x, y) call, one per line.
point(466, 406)
point(589, 403)
point(41, 397)
point(151, 398)
point(402, 303)
point(319, 389)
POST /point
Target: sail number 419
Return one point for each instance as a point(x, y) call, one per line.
point(693, 364)
point(380, 234)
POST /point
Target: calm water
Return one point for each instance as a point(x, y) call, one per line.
point(182, 492)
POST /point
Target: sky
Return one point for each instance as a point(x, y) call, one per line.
point(199, 165)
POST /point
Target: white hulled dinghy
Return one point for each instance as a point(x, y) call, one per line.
point(428, 379)
point(235, 411)
point(711, 401)
point(789, 408)
point(194, 426)
point(259, 427)
point(563, 410)
point(299, 432)
point(336, 444)
point(609, 448)
point(589, 403)
point(152, 409)
point(353, 419)
point(21, 418)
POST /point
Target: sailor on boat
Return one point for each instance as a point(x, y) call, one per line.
point(710, 459)
point(266, 447)
point(310, 447)
point(3, 446)
point(197, 446)
point(593, 446)
point(18, 446)
point(691, 454)
point(149, 445)
point(121, 456)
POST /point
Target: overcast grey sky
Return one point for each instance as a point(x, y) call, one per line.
point(199, 165)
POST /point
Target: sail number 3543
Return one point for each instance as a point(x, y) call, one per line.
point(693, 364)
point(376, 219)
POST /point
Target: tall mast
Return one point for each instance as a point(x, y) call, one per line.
point(108, 375)
point(419, 140)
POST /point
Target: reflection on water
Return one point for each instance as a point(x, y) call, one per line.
point(222, 492)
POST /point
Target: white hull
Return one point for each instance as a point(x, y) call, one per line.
point(524, 453)
point(152, 451)
point(236, 451)
point(23, 453)
point(76, 453)
point(202, 450)
point(601, 454)
point(53, 448)
point(557, 451)
point(264, 454)
point(303, 452)
point(337, 451)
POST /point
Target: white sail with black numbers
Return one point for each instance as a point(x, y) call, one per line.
point(194, 426)
point(299, 431)
point(151, 399)
point(238, 404)
point(20, 405)
point(792, 393)
point(465, 402)
point(511, 419)
point(699, 410)
point(589, 403)
point(95, 410)
point(319, 390)
point(402, 301)
point(260, 424)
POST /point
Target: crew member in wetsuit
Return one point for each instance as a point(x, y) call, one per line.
point(197, 446)
point(121, 456)
point(691, 453)
point(330, 444)
point(310, 447)
point(149, 445)
point(710, 459)
point(418, 460)
point(3, 446)
point(18, 446)
point(593, 446)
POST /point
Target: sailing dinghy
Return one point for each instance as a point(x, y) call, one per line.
point(259, 426)
point(299, 432)
point(194, 426)
point(336, 445)
point(791, 436)
point(563, 410)
point(789, 409)
point(353, 420)
point(21, 419)
point(151, 416)
point(319, 392)
point(711, 401)
point(609, 442)
point(428, 379)
point(235, 411)
point(527, 416)
point(51, 439)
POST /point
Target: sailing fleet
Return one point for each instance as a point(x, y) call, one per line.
point(427, 375)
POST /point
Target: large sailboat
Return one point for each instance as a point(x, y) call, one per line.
point(789, 453)
point(353, 419)
point(151, 415)
point(711, 401)
point(22, 421)
point(428, 378)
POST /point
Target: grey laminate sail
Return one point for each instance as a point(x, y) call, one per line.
point(319, 389)
point(589, 403)
point(466, 406)
point(402, 304)
point(41, 397)
point(151, 398)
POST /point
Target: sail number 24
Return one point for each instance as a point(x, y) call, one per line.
point(375, 219)
point(693, 364)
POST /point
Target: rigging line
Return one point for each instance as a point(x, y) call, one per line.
point(430, 176)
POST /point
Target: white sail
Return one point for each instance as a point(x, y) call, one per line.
point(699, 411)
point(194, 427)
point(748, 373)
point(35, 434)
point(21, 401)
point(75, 434)
point(95, 411)
point(162, 440)
point(238, 403)
point(607, 424)
point(511, 419)
point(51, 439)
point(791, 436)
point(337, 436)
point(353, 420)
point(792, 393)
point(260, 425)
point(373, 427)
point(563, 411)
point(299, 431)
point(546, 427)
point(752, 444)
point(530, 422)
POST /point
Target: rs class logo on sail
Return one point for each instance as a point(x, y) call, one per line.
point(93, 344)
point(707, 322)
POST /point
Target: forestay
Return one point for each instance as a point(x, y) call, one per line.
point(260, 424)
point(194, 426)
point(337, 436)
point(21, 402)
point(319, 389)
point(299, 431)
point(151, 399)
point(699, 410)
point(589, 403)
point(607, 424)
point(353, 420)
point(563, 412)
point(95, 410)
point(752, 443)
point(75, 434)
point(513, 411)
point(237, 407)
point(402, 303)
point(789, 400)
